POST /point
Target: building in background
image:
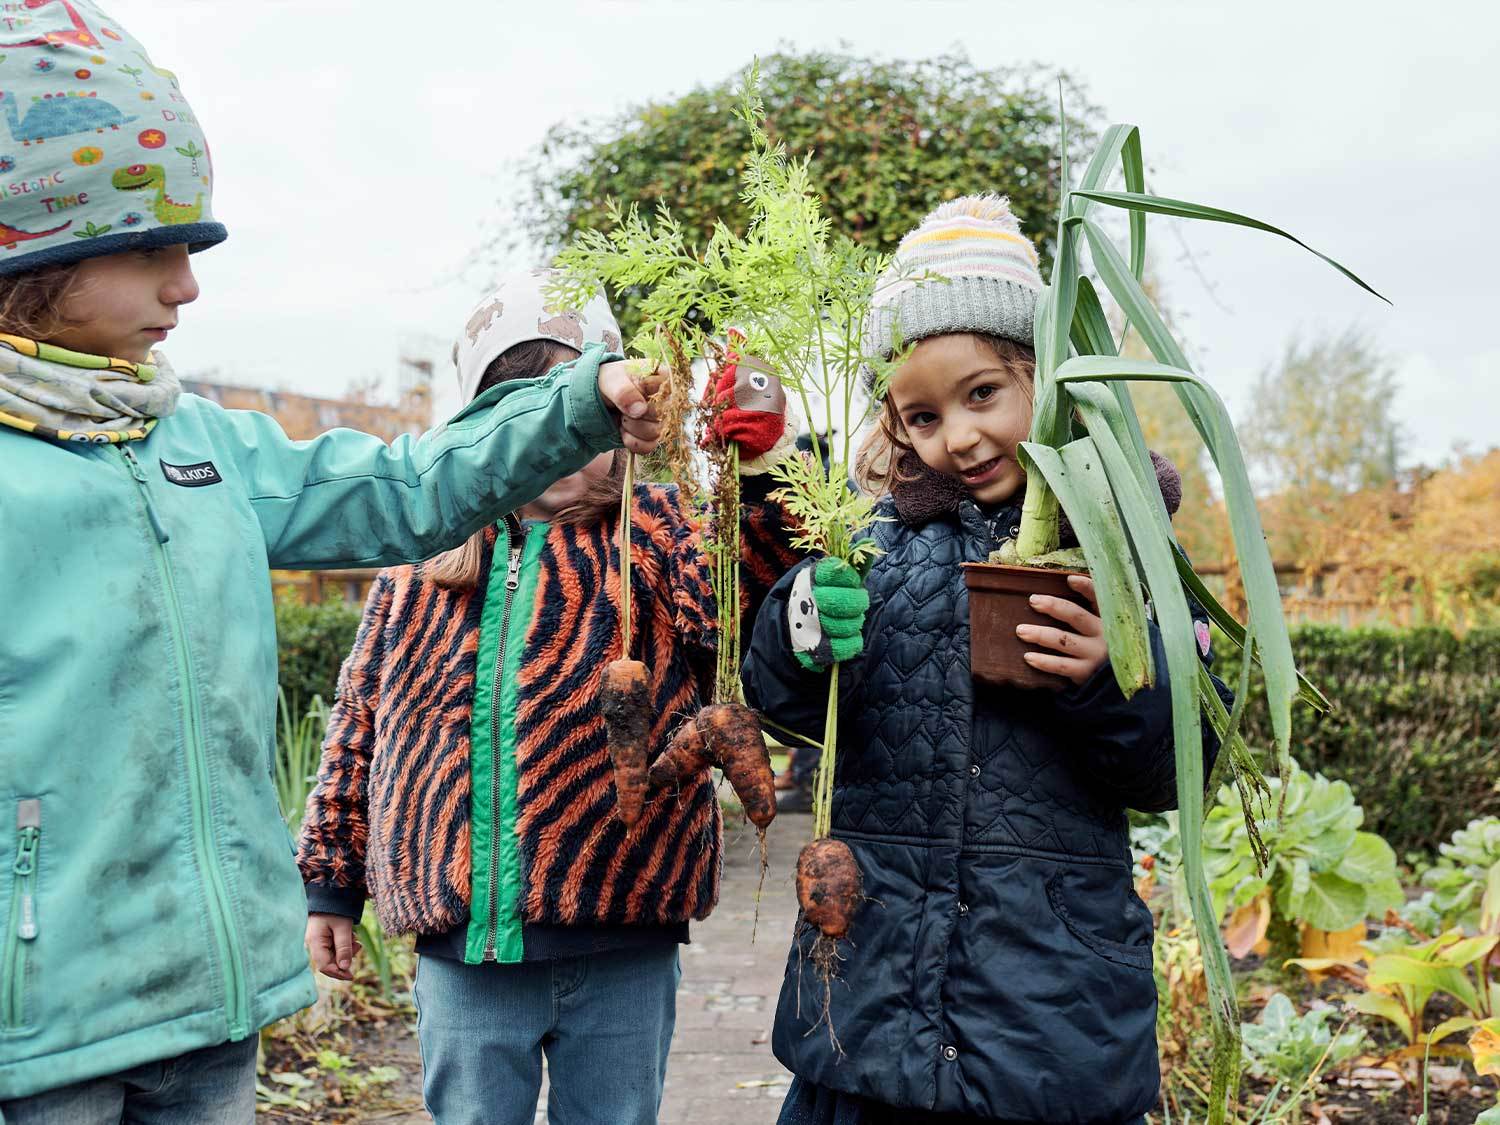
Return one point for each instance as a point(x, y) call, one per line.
point(306, 416)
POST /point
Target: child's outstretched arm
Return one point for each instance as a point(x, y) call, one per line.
point(348, 499)
point(331, 845)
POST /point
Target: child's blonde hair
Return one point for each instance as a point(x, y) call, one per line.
point(31, 302)
point(882, 462)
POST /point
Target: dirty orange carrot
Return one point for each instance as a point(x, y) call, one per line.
point(738, 747)
point(829, 886)
point(686, 755)
point(626, 701)
point(727, 736)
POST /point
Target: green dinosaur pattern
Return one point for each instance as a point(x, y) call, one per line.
point(144, 177)
point(100, 151)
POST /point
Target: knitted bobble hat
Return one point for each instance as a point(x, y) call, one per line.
point(99, 150)
point(966, 268)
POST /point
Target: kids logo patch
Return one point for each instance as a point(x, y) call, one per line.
point(192, 476)
point(1200, 630)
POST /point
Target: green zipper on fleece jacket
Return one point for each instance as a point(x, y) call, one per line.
point(205, 847)
point(494, 930)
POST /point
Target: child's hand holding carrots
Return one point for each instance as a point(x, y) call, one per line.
point(627, 388)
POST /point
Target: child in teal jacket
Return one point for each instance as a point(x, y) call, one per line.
point(152, 910)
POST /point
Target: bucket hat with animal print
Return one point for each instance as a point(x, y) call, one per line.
point(99, 150)
point(515, 311)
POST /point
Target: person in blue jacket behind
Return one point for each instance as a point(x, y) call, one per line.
point(153, 911)
point(999, 967)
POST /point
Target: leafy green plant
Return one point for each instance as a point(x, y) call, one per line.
point(1398, 973)
point(312, 641)
point(1468, 864)
point(291, 1097)
point(389, 957)
point(299, 747)
point(1323, 870)
point(1293, 1049)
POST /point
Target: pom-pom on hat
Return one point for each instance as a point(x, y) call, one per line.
point(966, 268)
point(99, 150)
point(517, 310)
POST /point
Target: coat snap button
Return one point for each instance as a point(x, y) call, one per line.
point(950, 1053)
point(973, 771)
point(963, 908)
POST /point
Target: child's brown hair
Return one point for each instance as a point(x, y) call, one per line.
point(31, 302)
point(881, 462)
point(461, 568)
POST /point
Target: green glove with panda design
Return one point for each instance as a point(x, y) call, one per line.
point(826, 614)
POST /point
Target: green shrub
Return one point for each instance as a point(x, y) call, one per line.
point(1415, 728)
point(313, 641)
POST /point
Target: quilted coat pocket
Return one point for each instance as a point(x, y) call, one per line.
point(1099, 908)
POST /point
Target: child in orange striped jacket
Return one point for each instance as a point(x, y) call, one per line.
point(467, 789)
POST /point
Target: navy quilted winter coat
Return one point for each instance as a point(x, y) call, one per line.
point(1001, 964)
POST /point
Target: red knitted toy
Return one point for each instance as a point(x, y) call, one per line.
point(754, 403)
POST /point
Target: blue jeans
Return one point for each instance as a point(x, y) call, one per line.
point(212, 1086)
point(604, 1022)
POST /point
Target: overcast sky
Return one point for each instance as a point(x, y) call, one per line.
point(360, 148)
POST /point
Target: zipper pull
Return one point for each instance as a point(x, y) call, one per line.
point(29, 831)
point(514, 541)
point(140, 478)
point(25, 865)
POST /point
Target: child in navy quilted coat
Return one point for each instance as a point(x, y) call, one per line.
point(999, 966)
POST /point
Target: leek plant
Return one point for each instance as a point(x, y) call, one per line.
point(1086, 454)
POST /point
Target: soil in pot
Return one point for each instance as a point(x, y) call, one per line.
point(999, 600)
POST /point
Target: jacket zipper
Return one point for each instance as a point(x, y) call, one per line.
point(513, 544)
point(23, 928)
point(236, 1003)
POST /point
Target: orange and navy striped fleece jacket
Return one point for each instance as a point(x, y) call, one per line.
point(390, 814)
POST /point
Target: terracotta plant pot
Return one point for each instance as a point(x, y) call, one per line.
point(999, 600)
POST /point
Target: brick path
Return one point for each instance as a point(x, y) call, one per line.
point(721, 1071)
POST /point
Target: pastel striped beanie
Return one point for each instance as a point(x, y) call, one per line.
point(966, 268)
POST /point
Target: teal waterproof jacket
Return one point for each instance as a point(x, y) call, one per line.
point(150, 900)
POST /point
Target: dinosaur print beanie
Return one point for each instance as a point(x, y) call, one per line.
point(516, 310)
point(99, 150)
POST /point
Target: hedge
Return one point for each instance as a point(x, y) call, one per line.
point(1415, 728)
point(313, 641)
